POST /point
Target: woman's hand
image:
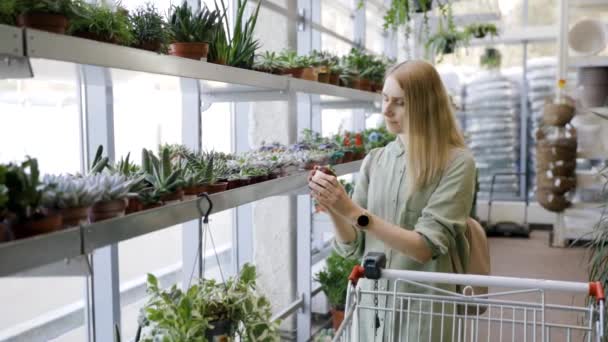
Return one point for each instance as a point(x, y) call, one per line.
point(330, 194)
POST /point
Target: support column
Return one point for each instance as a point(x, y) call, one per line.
point(103, 293)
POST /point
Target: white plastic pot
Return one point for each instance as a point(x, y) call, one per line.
point(588, 37)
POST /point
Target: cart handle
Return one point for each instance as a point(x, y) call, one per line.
point(597, 290)
point(357, 273)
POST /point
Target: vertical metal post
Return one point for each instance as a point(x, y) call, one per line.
point(192, 138)
point(562, 43)
point(524, 115)
point(242, 233)
point(359, 29)
point(103, 284)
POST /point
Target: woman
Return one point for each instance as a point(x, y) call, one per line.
point(411, 201)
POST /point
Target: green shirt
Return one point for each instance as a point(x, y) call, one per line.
point(438, 212)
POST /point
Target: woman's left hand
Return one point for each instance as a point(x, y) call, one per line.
point(328, 191)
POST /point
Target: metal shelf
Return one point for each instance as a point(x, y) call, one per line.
point(24, 254)
point(45, 45)
point(588, 61)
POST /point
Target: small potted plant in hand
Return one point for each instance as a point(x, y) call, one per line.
point(102, 23)
point(149, 29)
point(25, 193)
point(334, 283)
point(192, 31)
point(71, 196)
point(47, 15)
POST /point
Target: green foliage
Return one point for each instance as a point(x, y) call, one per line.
point(25, 190)
point(64, 7)
point(174, 315)
point(598, 248)
point(188, 26)
point(99, 162)
point(269, 62)
point(491, 59)
point(334, 279)
point(481, 30)
point(8, 10)
point(377, 137)
point(243, 45)
point(148, 26)
point(160, 173)
point(205, 167)
point(102, 21)
point(291, 59)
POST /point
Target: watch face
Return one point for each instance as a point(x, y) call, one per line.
point(363, 221)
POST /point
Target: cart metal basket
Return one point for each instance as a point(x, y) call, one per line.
point(520, 313)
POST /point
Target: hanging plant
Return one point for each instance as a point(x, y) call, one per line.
point(481, 30)
point(491, 59)
point(447, 40)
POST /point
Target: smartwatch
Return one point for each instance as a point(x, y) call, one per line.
point(362, 221)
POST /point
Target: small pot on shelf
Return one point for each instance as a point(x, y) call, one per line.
point(192, 192)
point(215, 187)
point(334, 78)
point(74, 216)
point(55, 23)
point(37, 225)
point(324, 77)
point(196, 51)
point(307, 73)
point(108, 209)
point(134, 205)
point(337, 317)
point(348, 156)
point(148, 206)
point(355, 83)
point(175, 196)
point(153, 46)
point(365, 84)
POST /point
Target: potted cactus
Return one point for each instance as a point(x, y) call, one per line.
point(163, 175)
point(25, 192)
point(192, 31)
point(71, 196)
point(112, 201)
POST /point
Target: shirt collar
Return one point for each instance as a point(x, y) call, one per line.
point(396, 147)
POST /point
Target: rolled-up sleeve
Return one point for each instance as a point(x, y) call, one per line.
point(354, 249)
point(449, 206)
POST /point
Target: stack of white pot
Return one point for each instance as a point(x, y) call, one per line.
point(541, 89)
point(492, 107)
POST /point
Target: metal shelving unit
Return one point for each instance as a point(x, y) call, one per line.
point(70, 243)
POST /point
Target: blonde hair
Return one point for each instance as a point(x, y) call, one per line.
point(432, 129)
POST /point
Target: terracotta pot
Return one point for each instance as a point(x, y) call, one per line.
point(175, 196)
point(75, 216)
point(106, 210)
point(557, 185)
point(218, 61)
point(557, 114)
point(151, 205)
point(154, 46)
point(348, 156)
point(96, 37)
point(259, 179)
point(215, 187)
point(303, 73)
point(552, 202)
point(359, 155)
point(195, 51)
point(377, 87)
point(37, 226)
point(355, 83)
point(334, 79)
point(233, 184)
point(245, 181)
point(192, 192)
point(365, 84)
point(337, 316)
point(55, 23)
point(324, 78)
point(134, 205)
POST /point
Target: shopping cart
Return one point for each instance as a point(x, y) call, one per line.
point(521, 313)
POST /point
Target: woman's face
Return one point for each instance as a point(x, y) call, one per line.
point(393, 106)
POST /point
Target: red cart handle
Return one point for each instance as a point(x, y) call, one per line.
point(597, 290)
point(357, 273)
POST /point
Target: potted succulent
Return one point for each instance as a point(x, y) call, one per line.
point(149, 28)
point(102, 23)
point(112, 200)
point(243, 44)
point(481, 30)
point(334, 283)
point(233, 310)
point(25, 192)
point(163, 175)
point(208, 167)
point(47, 15)
point(298, 66)
point(269, 62)
point(71, 196)
point(192, 31)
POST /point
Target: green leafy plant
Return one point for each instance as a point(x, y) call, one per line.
point(160, 173)
point(219, 51)
point(480, 30)
point(175, 315)
point(269, 62)
point(491, 59)
point(25, 190)
point(64, 7)
point(149, 27)
point(103, 23)
point(189, 26)
point(291, 59)
point(334, 279)
point(243, 45)
point(8, 10)
point(99, 162)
